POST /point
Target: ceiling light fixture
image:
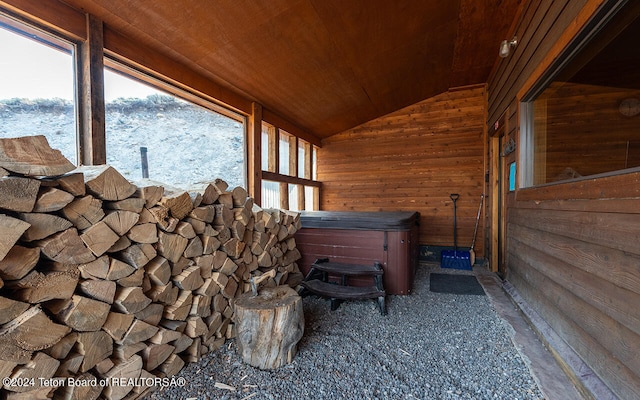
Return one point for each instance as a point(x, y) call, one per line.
point(506, 45)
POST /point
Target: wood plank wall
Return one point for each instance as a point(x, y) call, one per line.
point(572, 248)
point(412, 160)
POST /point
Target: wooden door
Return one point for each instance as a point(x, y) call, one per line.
point(498, 186)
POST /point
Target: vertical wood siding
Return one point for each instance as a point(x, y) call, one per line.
point(573, 249)
point(412, 160)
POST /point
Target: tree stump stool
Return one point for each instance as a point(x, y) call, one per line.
point(269, 326)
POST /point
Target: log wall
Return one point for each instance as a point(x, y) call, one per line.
point(572, 248)
point(412, 160)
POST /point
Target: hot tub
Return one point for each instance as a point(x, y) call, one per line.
point(390, 238)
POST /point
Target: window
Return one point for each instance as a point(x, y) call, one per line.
point(37, 87)
point(585, 119)
point(184, 143)
point(288, 170)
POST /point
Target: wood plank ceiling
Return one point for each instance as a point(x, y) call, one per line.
point(324, 65)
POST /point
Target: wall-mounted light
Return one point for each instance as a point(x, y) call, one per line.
point(506, 45)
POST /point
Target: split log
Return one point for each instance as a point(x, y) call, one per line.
point(159, 270)
point(194, 248)
point(143, 233)
point(204, 213)
point(18, 194)
point(124, 352)
point(121, 221)
point(139, 331)
point(97, 269)
point(51, 199)
point(138, 255)
point(161, 215)
point(99, 238)
point(30, 331)
point(177, 201)
point(171, 246)
point(88, 392)
point(209, 244)
point(131, 204)
point(182, 344)
point(84, 212)
point(208, 191)
point(173, 365)
point(189, 279)
point(99, 289)
point(135, 279)
point(179, 310)
point(125, 371)
point(66, 247)
point(269, 326)
point(130, 300)
point(38, 370)
point(104, 182)
point(43, 225)
point(95, 347)
point(32, 156)
point(10, 231)
point(117, 324)
point(118, 270)
point(62, 349)
point(72, 183)
point(226, 199)
point(18, 262)
point(151, 314)
point(239, 196)
point(10, 309)
point(224, 216)
point(150, 191)
point(38, 287)
point(165, 336)
point(165, 294)
point(185, 230)
point(155, 354)
point(80, 313)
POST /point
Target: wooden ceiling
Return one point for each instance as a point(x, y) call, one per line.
point(324, 65)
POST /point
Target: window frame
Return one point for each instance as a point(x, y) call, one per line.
point(526, 155)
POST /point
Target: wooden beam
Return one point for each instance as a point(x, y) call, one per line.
point(270, 176)
point(91, 110)
point(51, 15)
point(254, 153)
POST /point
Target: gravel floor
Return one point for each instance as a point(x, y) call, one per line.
point(429, 346)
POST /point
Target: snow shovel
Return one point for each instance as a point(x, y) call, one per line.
point(472, 252)
point(456, 259)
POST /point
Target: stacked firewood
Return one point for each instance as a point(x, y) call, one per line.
point(108, 287)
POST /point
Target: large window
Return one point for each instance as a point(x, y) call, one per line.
point(178, 142)
point(585, 119)
point(37, 87)
point(288, 170)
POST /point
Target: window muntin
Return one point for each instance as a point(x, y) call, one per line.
point(185, 142)
point(583, 122)
point(37, 88)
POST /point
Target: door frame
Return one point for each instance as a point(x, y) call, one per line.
point(497, 189)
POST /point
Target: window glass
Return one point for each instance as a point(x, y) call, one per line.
point(185, 143)
point(270, 194)
point(284, 153)
point(586, 120)
point(265, 147)
point(302, 150)
point(37, 89)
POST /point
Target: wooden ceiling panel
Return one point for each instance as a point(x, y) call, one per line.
point(324, 65)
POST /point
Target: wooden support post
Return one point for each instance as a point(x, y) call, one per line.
point(254, 139)
point(91, 109)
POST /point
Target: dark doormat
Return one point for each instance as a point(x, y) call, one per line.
point(455, 284)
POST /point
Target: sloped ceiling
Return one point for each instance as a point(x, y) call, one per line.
point(324, 65)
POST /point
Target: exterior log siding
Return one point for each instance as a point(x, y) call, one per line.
point(572, 248)
point(412, 160)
